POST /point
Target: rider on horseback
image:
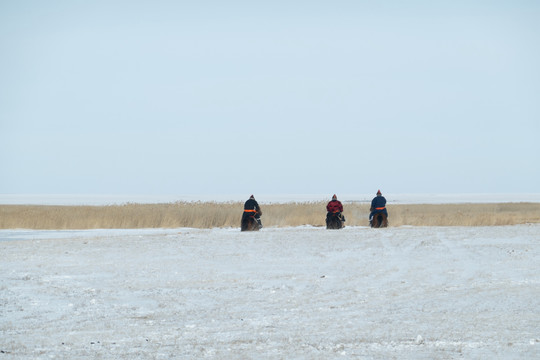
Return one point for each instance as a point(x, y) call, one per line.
point(251, 207)
point(334, 208)
point(378, 205)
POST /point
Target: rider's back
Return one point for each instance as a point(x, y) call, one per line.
point(251, 204)
point(334, 206)
point(378, 202)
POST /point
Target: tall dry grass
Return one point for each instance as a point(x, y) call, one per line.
point(465, 214)
point(212, 215)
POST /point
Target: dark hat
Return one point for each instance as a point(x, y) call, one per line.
point(379, 192)
point(252, 197)
point(334, 197)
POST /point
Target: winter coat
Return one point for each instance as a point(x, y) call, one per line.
point(252, 204)
point(334, 206)
point(378, 202)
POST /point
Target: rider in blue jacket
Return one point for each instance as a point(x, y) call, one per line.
point(378, 205)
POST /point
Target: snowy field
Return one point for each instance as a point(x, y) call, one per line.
point(281, 293)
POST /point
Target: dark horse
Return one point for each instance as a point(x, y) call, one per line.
point(249, 223)
point(334, 221)
point(379, 220)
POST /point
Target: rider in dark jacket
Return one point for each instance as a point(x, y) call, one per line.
point(378, 205)
point(252, 206)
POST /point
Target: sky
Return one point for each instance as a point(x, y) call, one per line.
point(218, 97)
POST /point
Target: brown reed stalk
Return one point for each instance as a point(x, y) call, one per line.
point(220, 215)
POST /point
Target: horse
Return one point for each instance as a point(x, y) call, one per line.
point(249, 223)
point(379, 220)
point(334, 221)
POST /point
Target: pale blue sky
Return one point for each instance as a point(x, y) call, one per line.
point(183, 97)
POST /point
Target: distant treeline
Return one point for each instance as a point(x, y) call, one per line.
point(219, 215)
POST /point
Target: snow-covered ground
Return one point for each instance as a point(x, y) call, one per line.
point(77, 199)
point(281, 293)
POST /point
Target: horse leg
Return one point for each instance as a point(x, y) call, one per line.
point(385, 221)
point(243, 225)
point(254, 223)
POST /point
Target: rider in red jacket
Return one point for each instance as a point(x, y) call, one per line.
point(334, 207)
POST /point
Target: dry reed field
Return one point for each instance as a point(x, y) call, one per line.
point(222, 215)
